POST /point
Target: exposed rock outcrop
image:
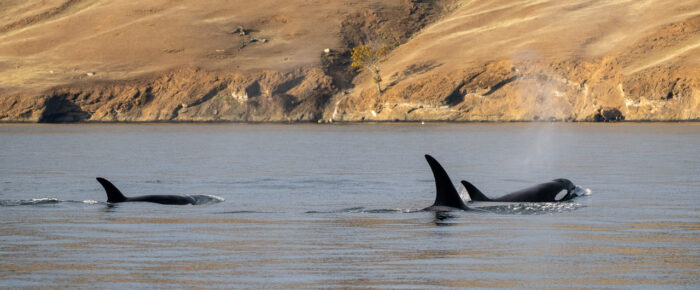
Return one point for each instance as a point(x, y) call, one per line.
point(508, 91)
point(184, 95)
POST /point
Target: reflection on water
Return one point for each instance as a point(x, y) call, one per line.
point(443, 218)
point(339, 206)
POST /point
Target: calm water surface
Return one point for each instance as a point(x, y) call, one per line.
point(334, 206)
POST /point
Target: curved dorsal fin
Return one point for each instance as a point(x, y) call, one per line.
point(474, 193)
point(113, 194)
point(446, 194)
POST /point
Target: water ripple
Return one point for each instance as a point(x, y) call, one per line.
point(531, 208)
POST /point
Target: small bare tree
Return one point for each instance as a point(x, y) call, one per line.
point(368, 57)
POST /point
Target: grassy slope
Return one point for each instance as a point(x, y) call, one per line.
point(626, 55)
point(486, 60)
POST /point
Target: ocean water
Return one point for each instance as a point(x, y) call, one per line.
point(303, 206)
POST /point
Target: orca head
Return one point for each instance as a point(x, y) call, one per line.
point(566, 183)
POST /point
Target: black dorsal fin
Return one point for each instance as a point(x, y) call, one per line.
point(474, 193)
point(446, 194)
point(113, 194)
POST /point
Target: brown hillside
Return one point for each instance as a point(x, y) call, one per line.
point(96, 60)
point(530, 60)
point(57, 42)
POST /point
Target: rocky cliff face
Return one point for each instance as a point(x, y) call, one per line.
point(454, 61)
point(182, 95)
point(524, 91)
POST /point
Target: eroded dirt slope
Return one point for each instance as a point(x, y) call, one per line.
point(266, 60)
point(542, 60)
point(97, 60)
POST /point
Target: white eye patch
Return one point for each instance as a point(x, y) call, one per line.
point(561, 194)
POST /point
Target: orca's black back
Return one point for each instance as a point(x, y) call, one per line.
point(545, 192)
point(165, 199)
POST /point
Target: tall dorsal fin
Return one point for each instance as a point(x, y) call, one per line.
point(446, 194)
point(113, 194)
point(474, 193)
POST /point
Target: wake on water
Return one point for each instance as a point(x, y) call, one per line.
point(531, 208)
point(207, 199)
point(511, 208)
point(34, 201)
point(522, 208)
point(361, 209)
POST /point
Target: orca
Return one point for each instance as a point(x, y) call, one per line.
point(545, 192)
point(115, 196)
point(446, 196)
